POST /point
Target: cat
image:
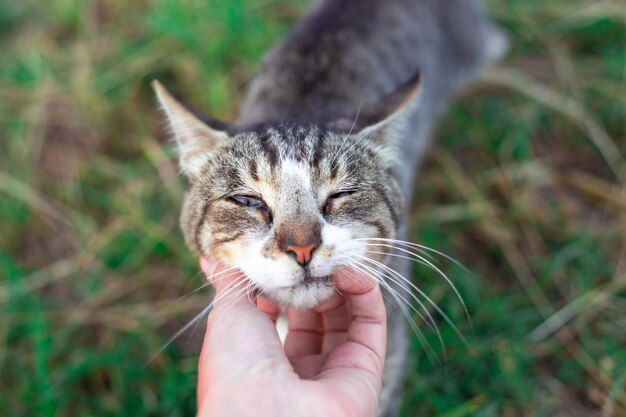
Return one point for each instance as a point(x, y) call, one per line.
point(318, 169)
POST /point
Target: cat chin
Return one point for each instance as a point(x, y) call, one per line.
point(301, 296)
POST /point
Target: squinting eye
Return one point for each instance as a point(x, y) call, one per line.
point(247, 201)
point(340, 194)
point(329, 201)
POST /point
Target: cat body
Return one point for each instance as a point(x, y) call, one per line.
point(348, 54)
point(318, 167)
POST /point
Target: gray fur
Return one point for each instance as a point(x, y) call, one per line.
point(349, 53)
point(319, 119)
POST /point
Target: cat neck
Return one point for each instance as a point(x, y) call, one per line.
point(346, 54)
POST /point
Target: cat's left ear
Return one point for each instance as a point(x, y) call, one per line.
point(195, 135)
point(383, 122)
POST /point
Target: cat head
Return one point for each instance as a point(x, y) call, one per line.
point(290, 203)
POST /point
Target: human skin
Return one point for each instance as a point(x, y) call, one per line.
point(331, 363)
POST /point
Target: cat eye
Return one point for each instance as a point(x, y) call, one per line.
point(247, 201)
point(340, 194)
point(336, 196)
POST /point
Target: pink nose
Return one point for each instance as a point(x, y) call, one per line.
point(302, 253)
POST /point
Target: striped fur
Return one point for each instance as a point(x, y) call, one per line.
point(320, 118)
point(293, 169)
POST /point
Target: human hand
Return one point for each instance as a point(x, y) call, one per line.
point(331, 364)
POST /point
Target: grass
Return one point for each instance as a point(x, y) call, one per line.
point(524, 185)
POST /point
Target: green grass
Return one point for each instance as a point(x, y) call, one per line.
point(524, 185)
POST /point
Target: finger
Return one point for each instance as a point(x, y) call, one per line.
point(208, 266)
point(268, 307)
point(239, 337)
point(307, 367)
point(238, 334)
point(305, 335)
point(355, 367)
point(368, 318)
point(217, 273)
point(336, 319)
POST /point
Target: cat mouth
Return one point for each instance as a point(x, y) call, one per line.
point(306, 293)
point(308, 280)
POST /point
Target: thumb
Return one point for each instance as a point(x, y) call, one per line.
point(238, 334)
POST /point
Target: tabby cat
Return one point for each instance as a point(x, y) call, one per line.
point(317, 170)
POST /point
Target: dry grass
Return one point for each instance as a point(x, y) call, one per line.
point(525, 186)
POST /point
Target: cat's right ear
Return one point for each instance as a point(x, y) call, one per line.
point(385, 120)
point(194, 136)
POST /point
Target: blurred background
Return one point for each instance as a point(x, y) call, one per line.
point(524, 186)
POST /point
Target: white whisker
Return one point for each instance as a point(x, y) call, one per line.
point(197, 317)
point(416, 330)
point(420, 247)
point(422, 293)
point(212, 278)
point(250, 291)
point(426, 262)
point(431, 323)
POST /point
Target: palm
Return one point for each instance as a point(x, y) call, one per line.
point(331, 363)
